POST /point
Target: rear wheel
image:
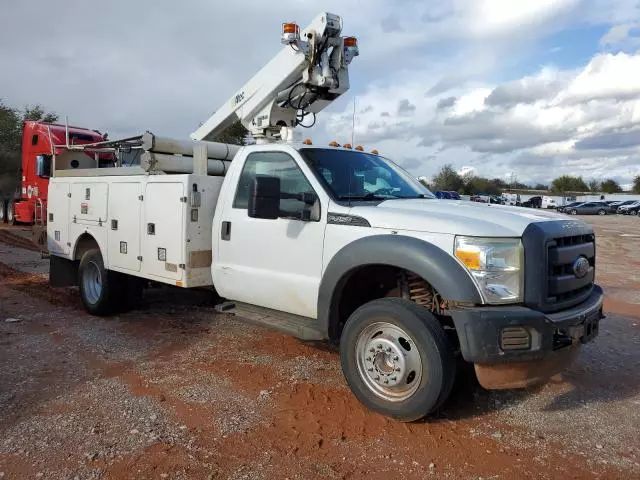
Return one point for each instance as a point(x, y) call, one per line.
point(602, 212)
point(396, 359)
point(97, 289)
point(573, 212)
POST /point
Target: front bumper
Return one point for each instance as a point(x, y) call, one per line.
point(554, 337)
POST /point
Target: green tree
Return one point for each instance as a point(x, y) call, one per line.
point(447, 179)
point(567, 183)
point(484, 185)
point(611, 186)
point(594, 186)
point(636, 184)
point(235, 134)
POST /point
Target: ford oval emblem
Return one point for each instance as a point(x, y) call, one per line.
point(581, 267)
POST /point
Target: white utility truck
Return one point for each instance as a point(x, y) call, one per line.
point(329, 243)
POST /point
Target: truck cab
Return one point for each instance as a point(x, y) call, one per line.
point(29, 204)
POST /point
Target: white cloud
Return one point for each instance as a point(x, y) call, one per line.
point(166, 66)
point(556, 122)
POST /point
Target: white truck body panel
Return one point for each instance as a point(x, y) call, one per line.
point(58, 222)
point(125, 207)
point(177, 250)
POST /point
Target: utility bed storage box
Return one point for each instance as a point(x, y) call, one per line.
point(154, 226)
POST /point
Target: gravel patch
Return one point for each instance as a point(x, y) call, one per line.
point(104, 420)
point(234, 412)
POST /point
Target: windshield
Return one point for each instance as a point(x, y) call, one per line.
point(354, 175)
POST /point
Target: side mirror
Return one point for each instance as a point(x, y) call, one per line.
point(264, 198)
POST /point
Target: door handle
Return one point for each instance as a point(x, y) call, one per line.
point(225, 234)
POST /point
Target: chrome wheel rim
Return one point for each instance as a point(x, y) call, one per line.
point(389, 362)
point(10, 212)
point(92, 282)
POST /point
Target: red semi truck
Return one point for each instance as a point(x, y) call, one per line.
point(29, 203)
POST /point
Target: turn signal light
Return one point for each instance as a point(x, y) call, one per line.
point(360, 148)
point(307, 142)
point(350, 42)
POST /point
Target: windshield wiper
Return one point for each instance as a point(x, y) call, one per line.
point(368, 196)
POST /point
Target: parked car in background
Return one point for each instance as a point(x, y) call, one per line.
point(629, 209)
point(512, 199)
point(589, 208)
point(564, 208)
point(623, 207)
point(549, 202)
point(533, 202)
point(442, 194)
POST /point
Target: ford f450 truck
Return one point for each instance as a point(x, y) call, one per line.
point(334, 244)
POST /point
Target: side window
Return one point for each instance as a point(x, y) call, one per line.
point(273, 164)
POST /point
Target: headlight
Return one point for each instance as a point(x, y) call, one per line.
point(496, 266)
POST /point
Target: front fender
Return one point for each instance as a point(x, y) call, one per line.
point(428, 261)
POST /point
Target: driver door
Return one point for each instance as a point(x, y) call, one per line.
point(272, 263)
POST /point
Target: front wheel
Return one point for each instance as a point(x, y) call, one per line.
point(396, 359)
point(573, 212)
point(602, 212)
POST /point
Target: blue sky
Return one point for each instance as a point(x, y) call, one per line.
point(501, 87)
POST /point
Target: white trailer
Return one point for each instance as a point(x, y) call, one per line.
point(337, 244)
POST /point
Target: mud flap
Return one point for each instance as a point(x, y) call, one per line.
point(62, 272)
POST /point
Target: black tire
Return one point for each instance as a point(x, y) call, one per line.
point(98, 299)
point(11, 213)
point(435, 358)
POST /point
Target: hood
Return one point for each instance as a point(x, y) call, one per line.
point(453, 217)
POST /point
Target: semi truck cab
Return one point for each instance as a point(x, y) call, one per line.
point(29, 204)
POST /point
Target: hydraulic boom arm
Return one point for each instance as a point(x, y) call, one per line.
point(308, 74)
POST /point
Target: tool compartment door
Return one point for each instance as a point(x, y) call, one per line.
point(163, 230)
point(89, 202)
point(58, 222)
point(124, 225)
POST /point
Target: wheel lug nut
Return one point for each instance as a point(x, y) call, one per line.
point(379, 346)
point(372, 349)
point(398, 369)
point(368, 359)
point(369, 369)
point(389, 349)
point(377, 377)
point(386, 380)
point(396, 358)
point(394, 379)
